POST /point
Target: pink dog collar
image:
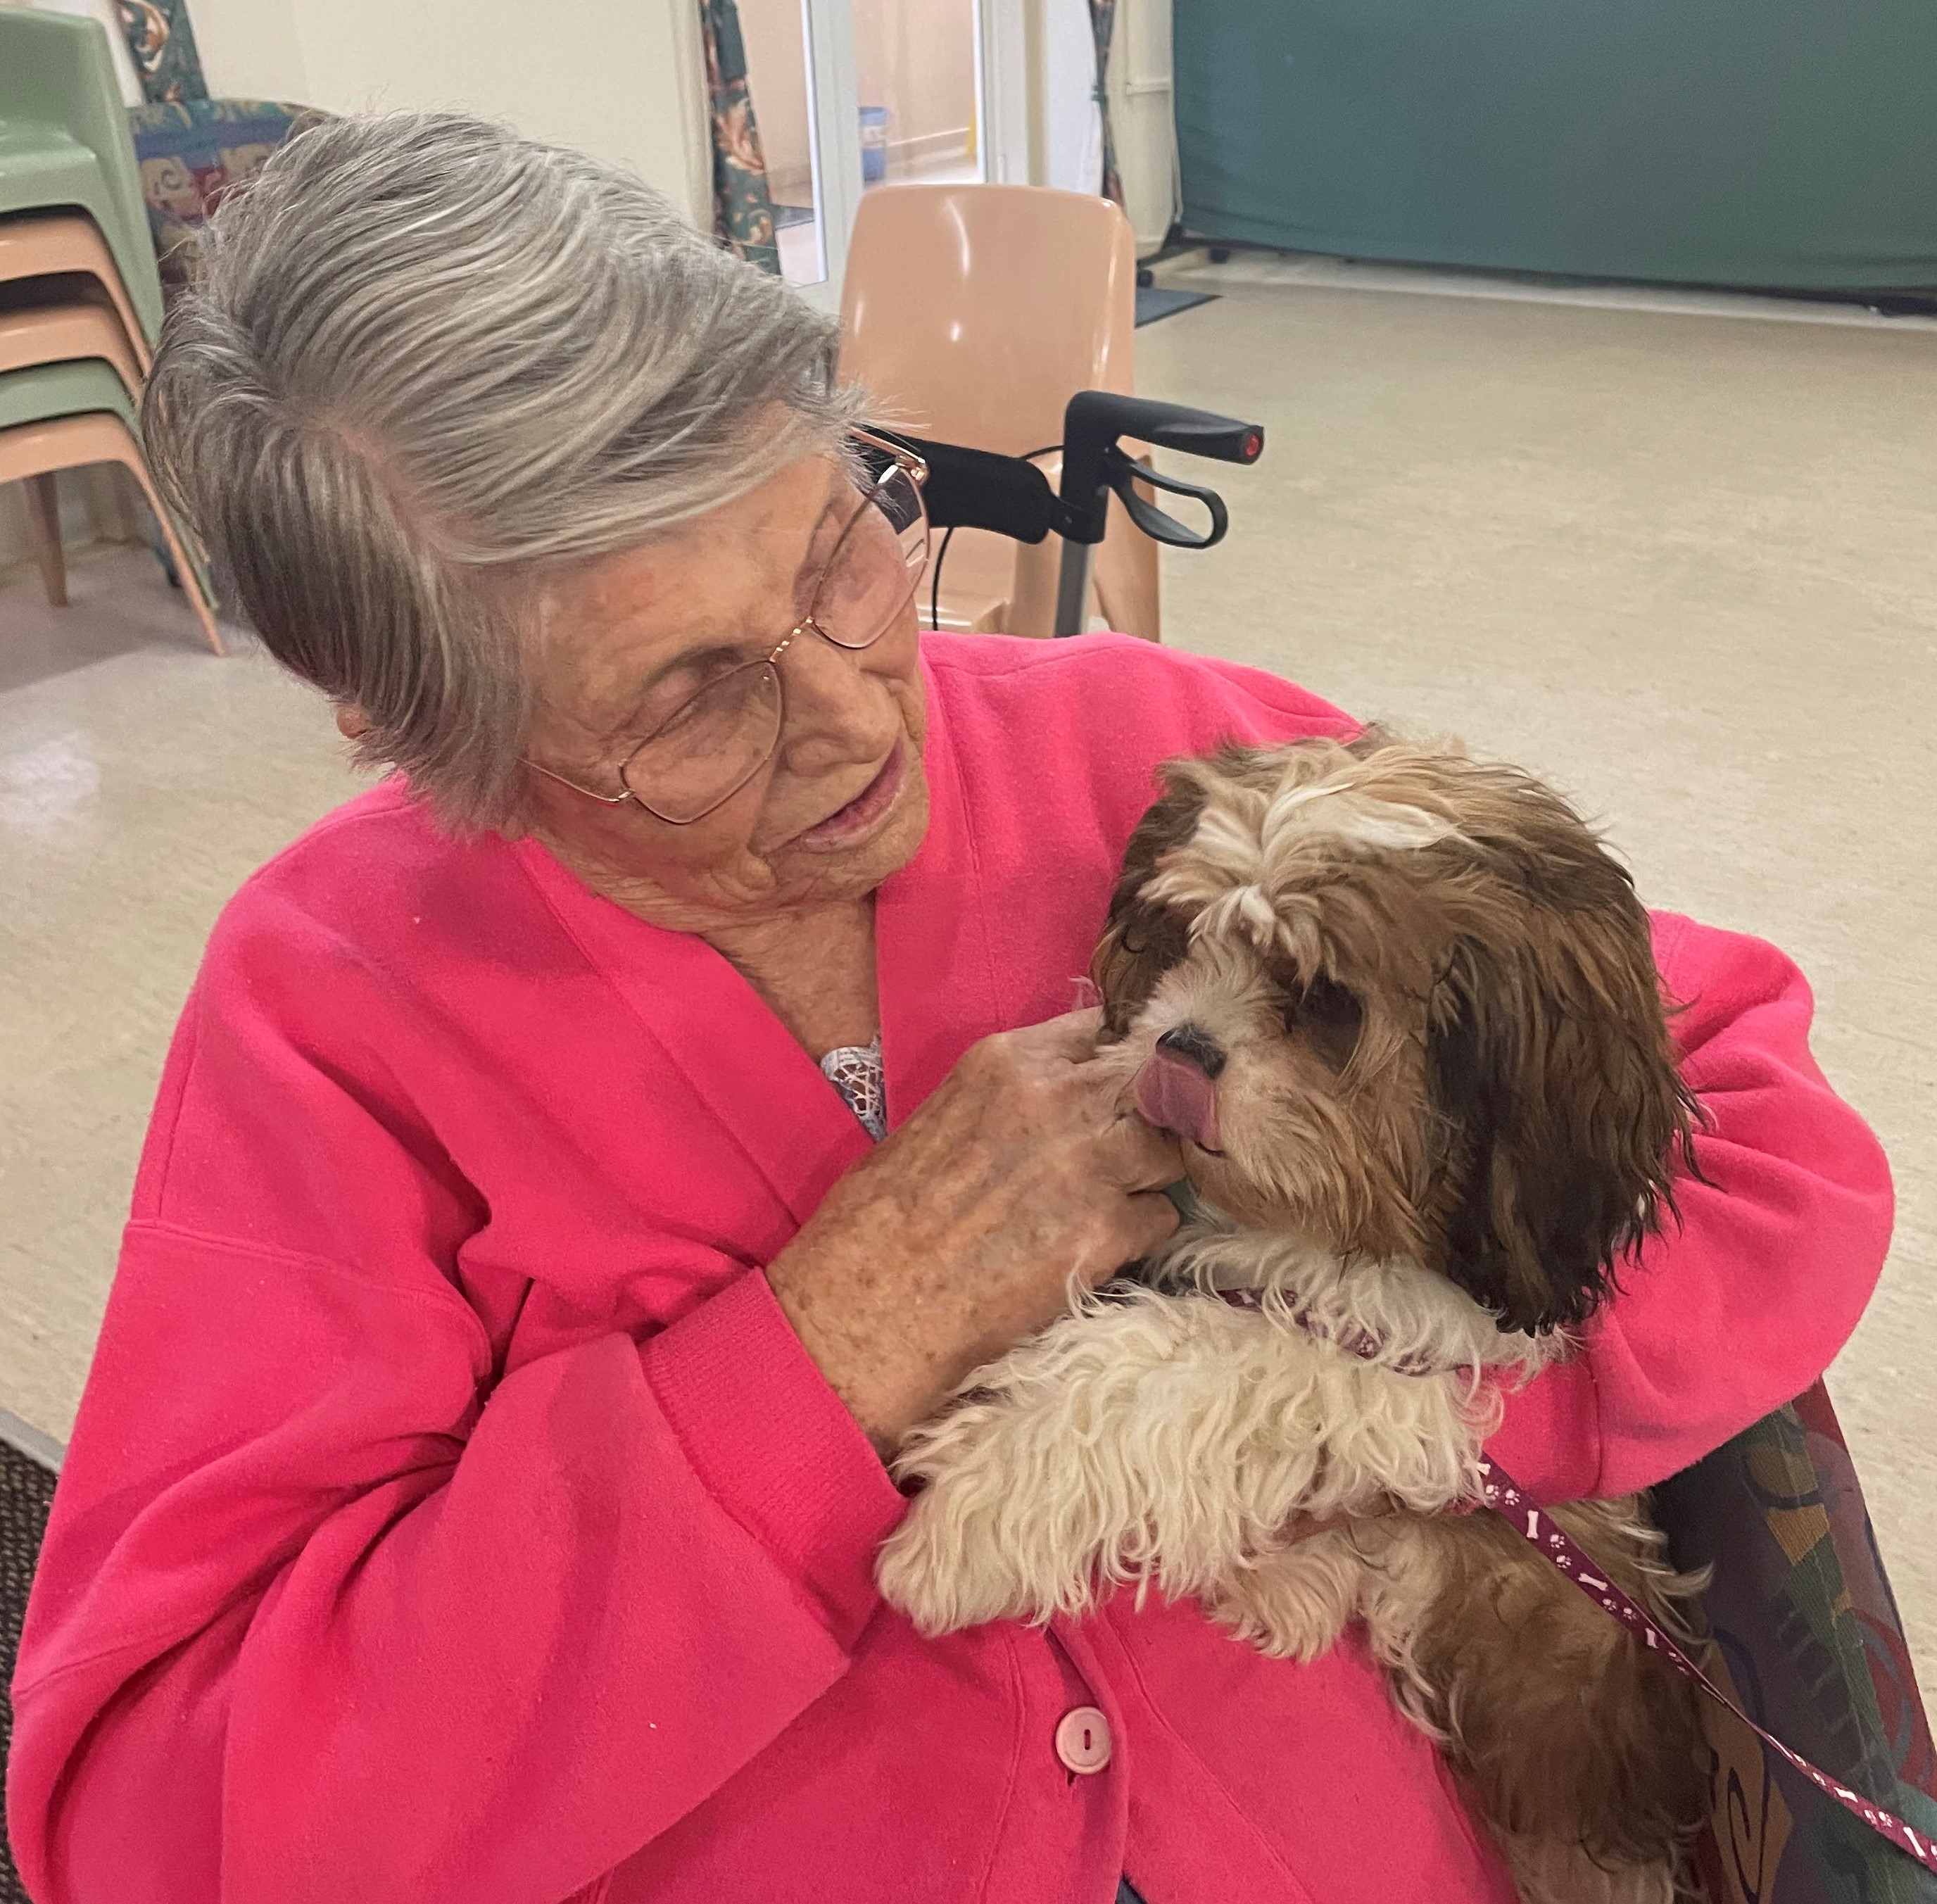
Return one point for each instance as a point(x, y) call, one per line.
point(1359, 1343)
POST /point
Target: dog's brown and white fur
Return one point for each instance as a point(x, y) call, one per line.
point(1439, 1107)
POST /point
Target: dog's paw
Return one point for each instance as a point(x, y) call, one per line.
point(945, 1569)
point(1036, 1497)
point(1291, 1604)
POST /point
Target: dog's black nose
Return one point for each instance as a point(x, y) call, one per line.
point(1199, 1047)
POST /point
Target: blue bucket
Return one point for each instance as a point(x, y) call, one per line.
point(873, 144)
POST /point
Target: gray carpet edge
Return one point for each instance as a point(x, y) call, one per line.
point(26, 1491)
point(25, 1439)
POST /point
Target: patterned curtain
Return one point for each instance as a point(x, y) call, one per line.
point(743, 214)
point(1102, 29)
point(190, 152)
point(162, 43)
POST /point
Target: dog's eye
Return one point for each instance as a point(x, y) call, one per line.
point(1330, 1016)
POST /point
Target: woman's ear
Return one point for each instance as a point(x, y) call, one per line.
point(352, 723)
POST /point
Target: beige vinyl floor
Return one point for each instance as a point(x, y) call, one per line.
point(1681, 559)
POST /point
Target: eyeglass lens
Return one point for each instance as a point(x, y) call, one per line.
point(877, 565)
point(713, 744)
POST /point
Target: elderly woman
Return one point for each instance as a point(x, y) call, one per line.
point(584, 1155)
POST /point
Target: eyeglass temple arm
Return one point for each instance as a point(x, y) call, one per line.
point(604, 799)
point(976, 489)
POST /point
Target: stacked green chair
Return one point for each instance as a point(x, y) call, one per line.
point(67, 169)
point(64, 142)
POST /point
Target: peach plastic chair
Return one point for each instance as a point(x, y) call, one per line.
point(38, 449)
point(973, 313)
point(43, 247)
point(53, 333)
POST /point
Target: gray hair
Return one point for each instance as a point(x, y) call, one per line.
point(426, 363)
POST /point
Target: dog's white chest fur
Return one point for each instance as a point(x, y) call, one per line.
point(1170, 1438)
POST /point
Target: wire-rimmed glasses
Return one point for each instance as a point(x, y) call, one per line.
point(713, 744)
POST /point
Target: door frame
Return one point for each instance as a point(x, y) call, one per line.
point(1006, 33)
point(834, 107)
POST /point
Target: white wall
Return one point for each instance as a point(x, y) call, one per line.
point(619, 79)
point(251, 49)
point(622, 80)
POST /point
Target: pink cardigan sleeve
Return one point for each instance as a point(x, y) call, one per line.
point(1742, 1305)
point(326, 1612)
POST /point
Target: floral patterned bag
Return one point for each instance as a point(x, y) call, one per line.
point(1808, 1641)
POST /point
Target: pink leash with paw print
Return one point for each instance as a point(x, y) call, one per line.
point(1507, 1500)
point(1511, 1504)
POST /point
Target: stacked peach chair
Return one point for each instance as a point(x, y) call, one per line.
point(973, 313)
point(80, 300)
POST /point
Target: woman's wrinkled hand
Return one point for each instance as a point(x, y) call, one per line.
point(963, 1231)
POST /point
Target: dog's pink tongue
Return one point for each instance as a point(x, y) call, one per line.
point(1175, 1095)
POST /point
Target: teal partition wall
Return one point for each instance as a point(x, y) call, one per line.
point(1771, 142)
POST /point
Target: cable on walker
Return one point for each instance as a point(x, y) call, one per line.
point(1009, 496)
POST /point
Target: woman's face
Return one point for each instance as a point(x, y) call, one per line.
point(630, 637)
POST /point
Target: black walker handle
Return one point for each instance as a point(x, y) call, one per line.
point(1093, 466)
point(976, 489)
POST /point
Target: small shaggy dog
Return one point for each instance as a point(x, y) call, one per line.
point(1402, 1007)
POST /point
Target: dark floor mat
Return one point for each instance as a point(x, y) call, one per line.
point(26, 1490)
point(1156, 300)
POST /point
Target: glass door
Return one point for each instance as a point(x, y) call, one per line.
point(787, 84)
point(915, 64)
point(858, 96)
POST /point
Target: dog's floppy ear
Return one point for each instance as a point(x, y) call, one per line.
point(1142, 940)
point(1550, 1060)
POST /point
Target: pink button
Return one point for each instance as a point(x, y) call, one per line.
point(1082, 1740)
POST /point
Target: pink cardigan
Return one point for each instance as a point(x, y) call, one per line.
point(452, 1518)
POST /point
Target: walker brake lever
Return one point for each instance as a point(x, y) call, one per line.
point(1123, 474)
